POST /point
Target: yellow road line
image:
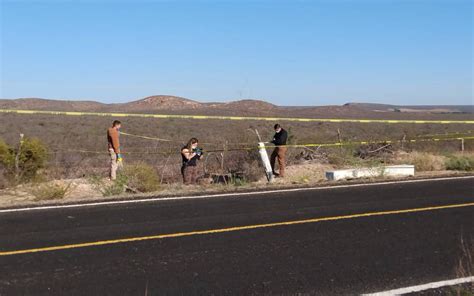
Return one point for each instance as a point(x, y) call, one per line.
point(177, 116)
point(230, 229)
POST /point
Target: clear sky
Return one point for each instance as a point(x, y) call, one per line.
point(285, 52)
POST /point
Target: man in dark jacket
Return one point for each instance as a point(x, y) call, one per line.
point(279, 139)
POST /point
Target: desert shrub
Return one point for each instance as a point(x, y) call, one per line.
point(238, 180)
point(141, 177)
point(255, 171)
point(4, 151)
point(348, 157)
point(50, 190)
point(424, 161)
point(116, 187)
point(336, 160)
point(3, 181)
point(137, 177)
point(343, 156)
point(109, 188)
point(246, 166)
point(460, 162)
point(32, 156)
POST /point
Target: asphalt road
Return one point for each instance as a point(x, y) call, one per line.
point(337, 256)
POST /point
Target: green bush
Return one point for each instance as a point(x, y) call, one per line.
point(141, 177)
point(137, 177)
point(47, 191)
point(460, 163)
point(32, 156)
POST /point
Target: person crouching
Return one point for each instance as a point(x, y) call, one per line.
point(190, 154)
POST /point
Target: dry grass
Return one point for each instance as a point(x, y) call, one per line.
point(109, 188)
point(60, 135)
point(465, 267)
point(50, 190)
point(423, 161)
point(307, 173)
point(141, 177)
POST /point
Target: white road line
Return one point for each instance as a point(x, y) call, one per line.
point(143, 200)
point(424, 287)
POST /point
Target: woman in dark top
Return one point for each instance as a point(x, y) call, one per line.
point(190, 155)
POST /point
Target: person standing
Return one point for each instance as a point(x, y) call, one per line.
point(190, 155)
point(279, 139)
point(114, 148)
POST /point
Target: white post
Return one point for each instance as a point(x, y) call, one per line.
point(265, 160)
point(264, 157)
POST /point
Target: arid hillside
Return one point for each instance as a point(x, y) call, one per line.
point(178, 105)
point(78, 146)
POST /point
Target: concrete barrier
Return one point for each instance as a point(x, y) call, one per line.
point(391, 171)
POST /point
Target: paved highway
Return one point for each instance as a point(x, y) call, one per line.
point(338, 241)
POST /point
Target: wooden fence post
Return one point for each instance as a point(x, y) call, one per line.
point(339, 138)
point(403, 140)
point(17, 158)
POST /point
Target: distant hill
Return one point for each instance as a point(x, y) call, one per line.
point(440, 109)
point(55, 105)
point(156, 103)
point(248, 107)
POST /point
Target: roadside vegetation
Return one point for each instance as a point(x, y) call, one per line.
point(22, 163)
point(141, 177)
point(465, 268)
point(50, 190)
point(460, 162)
point(134, 178)
point(423, 161)
point(55, 150)
point(107, 187)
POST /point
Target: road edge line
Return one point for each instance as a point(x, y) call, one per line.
point(217, 195)
point(423, 287)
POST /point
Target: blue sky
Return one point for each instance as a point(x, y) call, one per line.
point(285, 52)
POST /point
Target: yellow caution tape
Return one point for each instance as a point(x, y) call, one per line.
point(56, 151)
point(290, 146)
point(445, 134)
point(145, 137)
point(173, 116)
point(373, 142)
point(158, 139)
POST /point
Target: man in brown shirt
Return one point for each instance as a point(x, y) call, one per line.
point(114, 148)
